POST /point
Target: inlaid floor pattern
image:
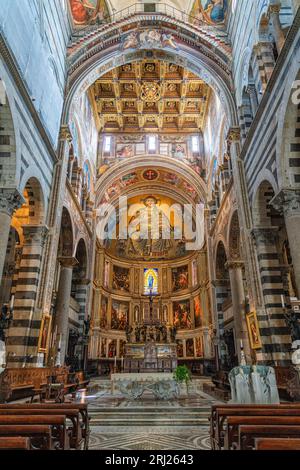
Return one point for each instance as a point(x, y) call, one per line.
point(149, 424)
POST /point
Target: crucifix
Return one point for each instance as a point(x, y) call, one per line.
point(151, 306)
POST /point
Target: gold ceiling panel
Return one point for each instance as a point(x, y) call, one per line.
point(150, 96)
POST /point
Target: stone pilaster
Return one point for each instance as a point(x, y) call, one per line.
point(235, 269)
point(274, 332)
point(10, 201)
point(63, 304)
point(274, 11)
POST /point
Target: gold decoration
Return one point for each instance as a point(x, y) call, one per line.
point(150, 91)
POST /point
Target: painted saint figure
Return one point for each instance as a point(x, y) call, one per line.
point(88, 11)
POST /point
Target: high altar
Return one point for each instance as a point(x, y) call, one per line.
point(150, 357)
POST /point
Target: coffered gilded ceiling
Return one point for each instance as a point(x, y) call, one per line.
point(150, 95)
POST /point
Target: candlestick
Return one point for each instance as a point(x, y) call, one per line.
point(12, 301)
point(282, 301)
point(115, 361)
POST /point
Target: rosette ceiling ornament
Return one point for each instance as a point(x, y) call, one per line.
point(151, 92)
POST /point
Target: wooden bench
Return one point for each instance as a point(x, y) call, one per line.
point(277, 444)
point(40, 436)
point(220, 413)
point(14, 443)
point(44, 408)
point(76, 438)
point(58, 424)
point(248, 434)
point(232, 436)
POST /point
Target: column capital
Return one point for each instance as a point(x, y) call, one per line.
point(234, 264)
point(287, 202)
point(265, 235)
point(35, 234)
point(65, 133)
point(68, 261)
point(234, 135)
point(274, 8)
point(10, 200)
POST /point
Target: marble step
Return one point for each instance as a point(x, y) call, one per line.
point(151, 410)
point(154, 421)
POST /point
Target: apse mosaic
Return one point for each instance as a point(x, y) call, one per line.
point(86, 12)
point(210, 11)
point(182, 315)
point(150, 281)
point(180, 278)
point(155, 231)
point(119, 315)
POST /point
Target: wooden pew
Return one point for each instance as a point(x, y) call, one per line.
point(58, 425)
point(14, 443)
point(76, 438)
point(231, 441)
point(248, 434)
point(277, 444)
point(221, 413)
point(41, 437)
point(81, 407)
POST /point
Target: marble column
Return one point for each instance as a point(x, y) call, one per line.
point(274, 11)
point(24, 332)
point(10, 201)
point(206, 343)
point(63, 303)
point(287, 202)
point(235, 269)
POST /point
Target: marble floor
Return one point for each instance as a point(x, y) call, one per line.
point(118, 423)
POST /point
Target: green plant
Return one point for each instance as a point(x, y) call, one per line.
point(182, 374)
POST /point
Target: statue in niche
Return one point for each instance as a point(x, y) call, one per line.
point(173, 333)
point(144, 334)
point(293, 322)
point(158, 334)
point(137, 334)
point(129, 330)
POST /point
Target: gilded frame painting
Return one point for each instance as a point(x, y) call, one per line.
point(43, 344)
point(253, 331)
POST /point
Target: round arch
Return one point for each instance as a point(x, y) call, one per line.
point(88, 67)
point(163, 163)
point(287, 125)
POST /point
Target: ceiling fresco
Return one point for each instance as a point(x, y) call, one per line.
point(87, 12)
point(212, 12)
point(91, 12)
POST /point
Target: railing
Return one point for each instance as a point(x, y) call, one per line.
point(138, 8)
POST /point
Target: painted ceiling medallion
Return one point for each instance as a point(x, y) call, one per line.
point(150, 175)
point(151, 92)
